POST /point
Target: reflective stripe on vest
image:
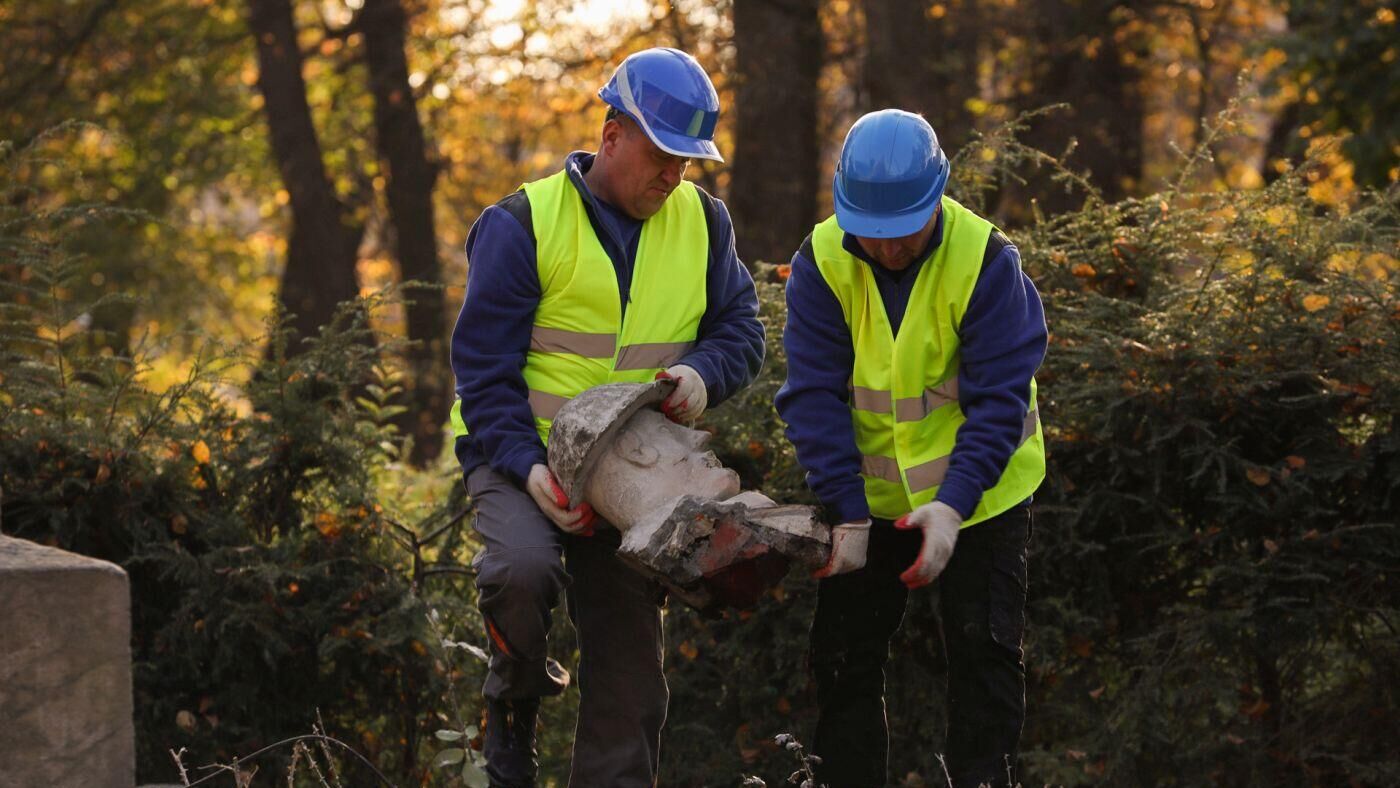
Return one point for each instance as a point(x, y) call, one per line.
point(904, 389)
point(910, 408)
point(930, 474)
point(574, 344)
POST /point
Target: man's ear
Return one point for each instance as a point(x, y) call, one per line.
point(612, 134)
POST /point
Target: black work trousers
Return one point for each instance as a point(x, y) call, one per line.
point(982, 599)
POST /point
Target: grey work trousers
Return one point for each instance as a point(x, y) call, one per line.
point(616, 612)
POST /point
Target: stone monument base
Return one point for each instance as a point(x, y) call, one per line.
point(65, 670)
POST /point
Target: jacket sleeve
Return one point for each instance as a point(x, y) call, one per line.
point(1002, 343)
point(491, 338)
point(729, 347)
point(813, 401)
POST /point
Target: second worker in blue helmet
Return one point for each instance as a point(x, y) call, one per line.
point(615, 268)
point(913, 338)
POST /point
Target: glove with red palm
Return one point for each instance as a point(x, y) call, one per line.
point(849, 544)
point(688, 401)
point(550, 497)
point(940, 523)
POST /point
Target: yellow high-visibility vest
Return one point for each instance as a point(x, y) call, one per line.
point(904, 399)
point(580, 338)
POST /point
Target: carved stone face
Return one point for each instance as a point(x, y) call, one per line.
point(652, 462)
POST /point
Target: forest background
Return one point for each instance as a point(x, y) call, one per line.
point(1205, 192)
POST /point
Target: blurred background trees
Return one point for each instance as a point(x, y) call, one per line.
point(301, 152)
point(1211, 215)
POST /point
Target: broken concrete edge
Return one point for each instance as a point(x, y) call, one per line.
point(795, 531)
point(792, 530)
point(575, 443)
point(673, 551)
point(695, 596)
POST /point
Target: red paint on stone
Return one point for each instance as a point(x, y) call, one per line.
point(742, 584)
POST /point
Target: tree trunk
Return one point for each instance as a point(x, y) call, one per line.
point(1083, 64)
point(410, 177)
point(322, 248)
point(922, 62)
point(1284, 144)
point(776, 168)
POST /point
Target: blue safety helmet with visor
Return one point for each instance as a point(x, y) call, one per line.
point(890, 177)
point(671, 98)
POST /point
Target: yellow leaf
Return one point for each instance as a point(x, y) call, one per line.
point(200, 452)
point(186, 721)
point(977, 106)
point(1258, 476)
point(328, 524)
point(688, 650)
point(1278, 215)
point(1314, 302)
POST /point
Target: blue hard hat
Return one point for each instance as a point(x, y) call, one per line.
point(670, 96)
point(890, 176)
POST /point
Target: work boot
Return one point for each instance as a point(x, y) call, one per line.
point(509, 743)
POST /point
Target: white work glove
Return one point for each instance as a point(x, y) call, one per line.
point(940, 523)
point(689, 399)
point(550, 497)
point(849, 542)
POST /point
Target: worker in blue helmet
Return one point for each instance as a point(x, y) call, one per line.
point(614, 268)
point(667, 94)
point(912, 339)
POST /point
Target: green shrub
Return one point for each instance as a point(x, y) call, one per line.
point(1214, 570)
point(263, 585)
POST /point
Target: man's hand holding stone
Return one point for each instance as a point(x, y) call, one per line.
point(849, 542)
point(550, 497)
point(689, 399)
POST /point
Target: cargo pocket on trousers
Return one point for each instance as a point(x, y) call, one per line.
point(1007, 596)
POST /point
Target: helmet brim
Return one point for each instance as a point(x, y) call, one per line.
point(884, 225)
point(681, 145)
